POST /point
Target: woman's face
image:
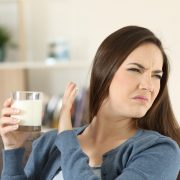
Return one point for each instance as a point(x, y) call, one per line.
point(136, 83)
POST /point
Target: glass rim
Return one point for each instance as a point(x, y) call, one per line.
point(27, 92)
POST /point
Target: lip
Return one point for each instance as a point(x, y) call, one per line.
point(141, 98)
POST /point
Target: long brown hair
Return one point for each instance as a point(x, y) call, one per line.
point(109, 57)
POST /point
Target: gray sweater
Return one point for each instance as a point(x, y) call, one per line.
point(146, 156)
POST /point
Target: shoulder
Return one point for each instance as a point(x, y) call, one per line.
point(153, 143)
point(153, 154)
point(148, 138)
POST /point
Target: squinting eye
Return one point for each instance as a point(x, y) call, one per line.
point(135, 70)
point(158, 76)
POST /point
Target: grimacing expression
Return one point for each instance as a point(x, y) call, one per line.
point(136, 83)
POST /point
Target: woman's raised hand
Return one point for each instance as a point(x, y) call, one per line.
point(67, 102)
point(8, 125)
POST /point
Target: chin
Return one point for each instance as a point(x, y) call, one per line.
point(139, 114)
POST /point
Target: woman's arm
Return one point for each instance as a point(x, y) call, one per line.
point(12, 164)
point(12, 159)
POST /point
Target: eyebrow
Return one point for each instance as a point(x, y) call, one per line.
point(142, 67)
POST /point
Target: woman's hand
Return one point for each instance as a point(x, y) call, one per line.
point(8, 125)
point(67, 102)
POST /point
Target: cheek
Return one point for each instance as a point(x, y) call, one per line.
point(121, 82)
point(120, 87)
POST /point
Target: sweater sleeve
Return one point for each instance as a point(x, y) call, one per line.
point(13, 168)
point(12, 164)
point(161, 161)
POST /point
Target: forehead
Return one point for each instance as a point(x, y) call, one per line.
point(149, 55)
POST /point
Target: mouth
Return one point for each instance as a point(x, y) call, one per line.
point(143, 99)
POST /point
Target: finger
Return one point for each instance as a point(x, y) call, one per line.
point(66, 107)
point(8, 121)
point(8, 129)
point(68, 91)
point(7, 102)
point(9, 111)
point(72, 96)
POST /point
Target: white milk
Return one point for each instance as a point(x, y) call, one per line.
point(30, 112)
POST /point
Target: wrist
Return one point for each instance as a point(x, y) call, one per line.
point(64, 125)
point(11, 147)
point(60, 130)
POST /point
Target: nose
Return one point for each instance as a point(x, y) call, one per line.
point(146, 83)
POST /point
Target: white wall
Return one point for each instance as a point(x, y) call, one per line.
point(86, 23)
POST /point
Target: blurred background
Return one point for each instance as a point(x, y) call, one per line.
point(47, 43)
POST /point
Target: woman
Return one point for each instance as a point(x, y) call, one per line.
point(132, 132)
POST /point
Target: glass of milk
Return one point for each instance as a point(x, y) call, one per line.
point(30, 105)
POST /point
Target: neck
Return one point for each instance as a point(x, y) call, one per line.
point(102, 128)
